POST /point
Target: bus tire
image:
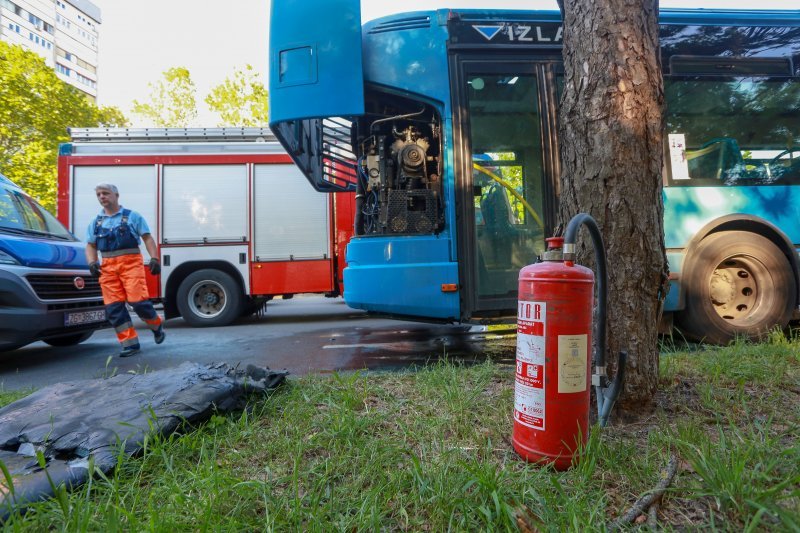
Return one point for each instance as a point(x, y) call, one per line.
point(68, 340)
point(737, 284)
point(209, 298)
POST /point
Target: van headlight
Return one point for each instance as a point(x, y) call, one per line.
point(6, 259)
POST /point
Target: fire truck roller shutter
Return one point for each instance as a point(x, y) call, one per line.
point(137, 189)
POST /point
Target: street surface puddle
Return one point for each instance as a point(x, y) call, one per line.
point(393, 349)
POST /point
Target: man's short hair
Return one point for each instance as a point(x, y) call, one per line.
point(106, 187)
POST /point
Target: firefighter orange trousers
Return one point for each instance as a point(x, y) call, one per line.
point(122, 279)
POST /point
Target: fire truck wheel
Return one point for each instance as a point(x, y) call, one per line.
point(737, 283)
point(208, 298)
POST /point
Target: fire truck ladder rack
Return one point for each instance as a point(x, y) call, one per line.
point(172, 135)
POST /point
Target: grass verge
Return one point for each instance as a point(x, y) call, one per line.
point(6, 396)
point(430, 450)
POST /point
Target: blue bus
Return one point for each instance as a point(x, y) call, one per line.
point(445, 123)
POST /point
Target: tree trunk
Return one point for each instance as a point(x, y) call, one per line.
point(612, 158)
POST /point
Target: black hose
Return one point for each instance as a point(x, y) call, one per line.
point(358, 223)
point(611, 394)
point(602, 289)
point(606, 395)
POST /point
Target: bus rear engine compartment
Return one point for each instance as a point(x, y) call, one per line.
point(399, 188)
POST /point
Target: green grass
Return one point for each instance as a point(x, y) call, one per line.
point(6, 396)
point(429, 450)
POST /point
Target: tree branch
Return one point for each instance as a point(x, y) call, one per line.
point(649, 498)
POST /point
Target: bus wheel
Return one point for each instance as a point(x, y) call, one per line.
point(69, 340)
point(737, 284)
point(209, 298)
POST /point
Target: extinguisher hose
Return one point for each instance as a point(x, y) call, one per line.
point(606, 395)
point(584, 219)
point(611, 393)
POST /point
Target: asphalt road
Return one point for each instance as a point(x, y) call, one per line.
point(302, 335)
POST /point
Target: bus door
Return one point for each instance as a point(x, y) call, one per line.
point(506, 157)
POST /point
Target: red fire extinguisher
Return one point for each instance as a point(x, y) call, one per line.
point(554, 339)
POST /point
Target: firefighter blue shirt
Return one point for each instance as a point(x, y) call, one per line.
point(135, 222)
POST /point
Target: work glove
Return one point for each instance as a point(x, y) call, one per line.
point(155, 266)
point(94, 268)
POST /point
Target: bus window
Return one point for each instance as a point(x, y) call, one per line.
point(505, 138)
point(734, 131)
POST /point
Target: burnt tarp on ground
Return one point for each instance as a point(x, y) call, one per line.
point(93, 422)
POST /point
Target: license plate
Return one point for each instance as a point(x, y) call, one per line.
point(84, 317)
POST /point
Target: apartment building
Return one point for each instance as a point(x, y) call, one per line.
point(64, 32)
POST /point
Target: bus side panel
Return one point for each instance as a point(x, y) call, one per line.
point(402, 276)
point(689, 209)
point(674, 300)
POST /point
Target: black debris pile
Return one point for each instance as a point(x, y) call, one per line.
point(69, 424)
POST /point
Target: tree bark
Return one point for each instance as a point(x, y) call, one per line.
point(612, 159)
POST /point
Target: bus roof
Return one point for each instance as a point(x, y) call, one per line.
point(746, 17)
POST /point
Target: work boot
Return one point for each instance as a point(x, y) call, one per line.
point(159, 334)
point(128, 351)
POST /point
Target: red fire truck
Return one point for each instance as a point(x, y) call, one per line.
point(235, 221)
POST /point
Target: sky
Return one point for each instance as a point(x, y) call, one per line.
point(140, 39)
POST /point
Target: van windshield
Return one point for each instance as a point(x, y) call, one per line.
point(21, 215)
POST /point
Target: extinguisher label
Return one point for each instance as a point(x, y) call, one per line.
point(529, 406)
point(573, 363)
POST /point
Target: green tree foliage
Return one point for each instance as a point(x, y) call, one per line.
point(241, 100)
point(173, 100)
point(36, 108)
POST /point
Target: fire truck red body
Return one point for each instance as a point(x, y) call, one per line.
point(235, 221)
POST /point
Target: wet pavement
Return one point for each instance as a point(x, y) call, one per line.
point(302, 335)
point(392, 348)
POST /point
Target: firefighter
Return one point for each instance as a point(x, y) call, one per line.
point(116, 233)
